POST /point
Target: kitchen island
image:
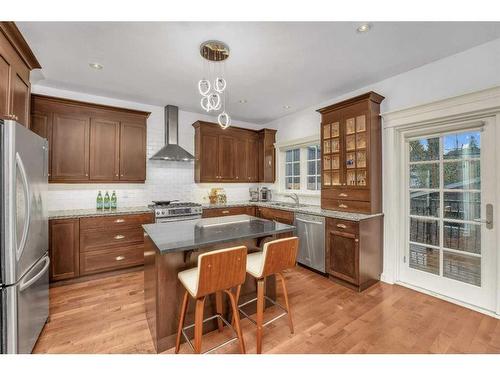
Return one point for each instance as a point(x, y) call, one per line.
point(172, 247)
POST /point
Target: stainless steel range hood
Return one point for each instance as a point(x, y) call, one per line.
point(172, 151)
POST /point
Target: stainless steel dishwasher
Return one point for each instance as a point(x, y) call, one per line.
point(311, 232)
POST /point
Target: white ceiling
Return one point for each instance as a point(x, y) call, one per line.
point(271, 64)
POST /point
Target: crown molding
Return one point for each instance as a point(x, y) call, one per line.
point(479, 103)
point(14, 36)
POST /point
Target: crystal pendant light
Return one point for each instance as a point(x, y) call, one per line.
point(213, 96)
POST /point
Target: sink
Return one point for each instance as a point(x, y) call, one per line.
point(286, 204)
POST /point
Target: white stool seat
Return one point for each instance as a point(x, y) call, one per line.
point(255, 264)
point(189, 278)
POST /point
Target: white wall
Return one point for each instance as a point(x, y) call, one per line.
point(472, 70)
point(164, 180)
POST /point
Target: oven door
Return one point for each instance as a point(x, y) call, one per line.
point(177, 218)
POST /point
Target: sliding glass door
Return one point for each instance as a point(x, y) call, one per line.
point(449, 234)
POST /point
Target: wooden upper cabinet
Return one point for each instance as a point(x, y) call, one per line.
point(4, 88)
point(351, 148)
point(132, 152)
point(91, 142)
point(233, 154)
point(241, 163)
point(20, 99)
point(226, 157)
point(104, 149)
point(16, 62)
point(207, 161)
point(70, 147)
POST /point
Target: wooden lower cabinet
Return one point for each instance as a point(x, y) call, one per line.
point(89, 245)
point(354, 251)
point(229, 211)
point(282, 216)
point(64, 244)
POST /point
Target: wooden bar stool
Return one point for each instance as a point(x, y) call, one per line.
point(277, 256)
point(218, 271)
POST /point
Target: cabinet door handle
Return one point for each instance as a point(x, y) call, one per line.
point(119, 237)
point(342, 195)
point(86, 174)
point(119, 220)
point(343, 226)
point(225, 212)
point(342, 206)
point(120, 257)
point(356, 240)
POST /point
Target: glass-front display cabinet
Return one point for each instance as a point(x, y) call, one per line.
point(352, 155)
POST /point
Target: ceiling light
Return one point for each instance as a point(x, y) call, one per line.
point(364, 28)
point(242, 101)
point(95, 66)
point(287, 106)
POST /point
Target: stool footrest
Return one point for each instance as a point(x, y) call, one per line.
point(234, 338)
point(275, 303)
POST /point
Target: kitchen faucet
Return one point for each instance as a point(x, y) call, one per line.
point(295, 198)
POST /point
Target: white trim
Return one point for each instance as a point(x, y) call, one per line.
point(449, 114)
point(476, 104)
point(298, 142)
point(452, 300)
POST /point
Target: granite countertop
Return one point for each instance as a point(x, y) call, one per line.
point(68, 214)
point(303, 209)
point(178, 236)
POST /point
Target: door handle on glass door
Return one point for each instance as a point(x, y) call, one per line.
point(489, 217)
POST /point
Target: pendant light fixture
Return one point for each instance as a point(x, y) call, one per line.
point(212, 87)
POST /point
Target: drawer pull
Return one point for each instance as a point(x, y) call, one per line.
point(356, 240)
point(225, 211)
point(342, 195)
point(343, 226)
point(120, 257)
point(119, 220)
point(119, 237)
point(342, 206)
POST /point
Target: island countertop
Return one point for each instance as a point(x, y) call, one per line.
point(193, 234)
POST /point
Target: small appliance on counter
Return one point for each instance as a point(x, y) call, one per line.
point(265, 194)
point(254, 194)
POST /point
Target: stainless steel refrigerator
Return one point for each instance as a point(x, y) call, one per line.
point(24, 260)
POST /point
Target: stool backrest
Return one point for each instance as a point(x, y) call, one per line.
point(279, 255)
point(221, 269)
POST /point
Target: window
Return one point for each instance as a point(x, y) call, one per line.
point(300, 168)
point(313, 168)
point(292, 169)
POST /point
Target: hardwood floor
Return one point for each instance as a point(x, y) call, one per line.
point(107, 316)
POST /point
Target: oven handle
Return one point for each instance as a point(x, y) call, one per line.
point(178, 218)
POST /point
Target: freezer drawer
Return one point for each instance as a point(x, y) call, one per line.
point(311, 232)
point(27, 308)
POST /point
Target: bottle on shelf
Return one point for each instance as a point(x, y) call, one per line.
point(106, 201)
point(99, 201)
point(113, 200)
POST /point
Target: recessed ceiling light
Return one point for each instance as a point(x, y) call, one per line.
point(364, 28)
point(242, 101)
point(287, 106)
point(95, 66)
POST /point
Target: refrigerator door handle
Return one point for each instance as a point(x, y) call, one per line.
point(26, 284)
point(27, 206)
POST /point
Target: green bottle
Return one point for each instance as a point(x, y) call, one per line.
point(99, 201)
point(106, 201)
point(113, 201)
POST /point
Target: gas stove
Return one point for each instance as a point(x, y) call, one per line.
point(176, 211)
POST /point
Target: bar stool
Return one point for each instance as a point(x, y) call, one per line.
point(218, 271)
point(277, 256)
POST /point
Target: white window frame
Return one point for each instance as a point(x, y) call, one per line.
point(281, 149)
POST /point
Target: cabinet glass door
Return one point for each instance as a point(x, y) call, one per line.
point(355, 139)
point(331, 154)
